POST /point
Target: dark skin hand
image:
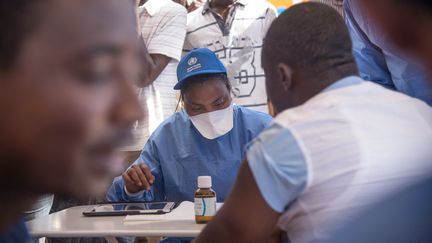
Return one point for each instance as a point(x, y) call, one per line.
point(245, 216)
point(138, 178)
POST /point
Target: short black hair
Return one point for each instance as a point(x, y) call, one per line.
point(203, 78)
point(309, 36)
point(17, 19)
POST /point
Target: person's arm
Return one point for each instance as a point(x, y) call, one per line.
point(155, 64)
point(245, 216)
point(165, 45)
point(143, 178)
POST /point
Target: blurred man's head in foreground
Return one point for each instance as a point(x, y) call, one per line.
point(66, 93)
point(407, 22)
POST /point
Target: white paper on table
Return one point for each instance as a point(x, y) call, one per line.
point(185, 211)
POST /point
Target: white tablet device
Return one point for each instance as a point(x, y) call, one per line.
point(117, 209)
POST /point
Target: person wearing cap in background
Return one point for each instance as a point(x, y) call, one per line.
point(208, 137)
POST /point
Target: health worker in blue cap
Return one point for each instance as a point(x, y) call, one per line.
point(208, 137)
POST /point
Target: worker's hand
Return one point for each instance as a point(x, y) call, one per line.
point(138, 178)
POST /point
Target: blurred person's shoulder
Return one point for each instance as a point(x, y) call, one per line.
point(16, 233)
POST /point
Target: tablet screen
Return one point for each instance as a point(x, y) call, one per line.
point(129, 207)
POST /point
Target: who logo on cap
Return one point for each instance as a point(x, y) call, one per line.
point(197, 62)
point(192, 61)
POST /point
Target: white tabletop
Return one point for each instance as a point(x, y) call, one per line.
point(71, 223)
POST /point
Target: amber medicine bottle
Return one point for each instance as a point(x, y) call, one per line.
point(205, 200)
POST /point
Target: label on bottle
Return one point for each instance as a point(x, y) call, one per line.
point(205, 206)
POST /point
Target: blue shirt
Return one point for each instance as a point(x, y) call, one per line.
point(17, 233)
point(277, 162)
point(177, 154)
point(379, 62)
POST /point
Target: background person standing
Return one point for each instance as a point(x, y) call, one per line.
point(234, 30)
point(162, 25)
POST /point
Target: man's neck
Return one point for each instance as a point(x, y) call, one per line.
point(312, 85)
point(221, 7)
point(221, 3)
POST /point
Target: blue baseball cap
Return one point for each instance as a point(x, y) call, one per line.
point(196, 62)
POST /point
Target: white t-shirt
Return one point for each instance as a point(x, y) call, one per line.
point(238, 43)
point(321, 163)
point(163, 27)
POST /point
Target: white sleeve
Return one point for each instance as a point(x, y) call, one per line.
point(170, 35)
point(271, 15)
point(278, 166)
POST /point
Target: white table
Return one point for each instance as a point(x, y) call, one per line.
point(71, 223)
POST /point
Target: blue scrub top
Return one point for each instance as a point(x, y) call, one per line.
point(177, 154)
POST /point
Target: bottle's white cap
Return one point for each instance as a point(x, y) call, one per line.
point(204, 181)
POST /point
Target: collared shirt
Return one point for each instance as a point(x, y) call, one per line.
point(379, 61)
point(238, 43)
point(322, 162)
point(163, 26)
point(177, 154)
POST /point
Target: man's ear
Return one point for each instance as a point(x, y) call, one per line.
point(285, 73)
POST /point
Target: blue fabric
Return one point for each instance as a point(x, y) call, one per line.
point(348, 81)
point(17, 233)
point(278, 166)
point(379, 62)
point(177, 154)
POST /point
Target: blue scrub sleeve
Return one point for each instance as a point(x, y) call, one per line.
point(149, 156)
point(369, 57)
point(278, 166)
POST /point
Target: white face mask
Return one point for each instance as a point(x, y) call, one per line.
point(214, 124)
